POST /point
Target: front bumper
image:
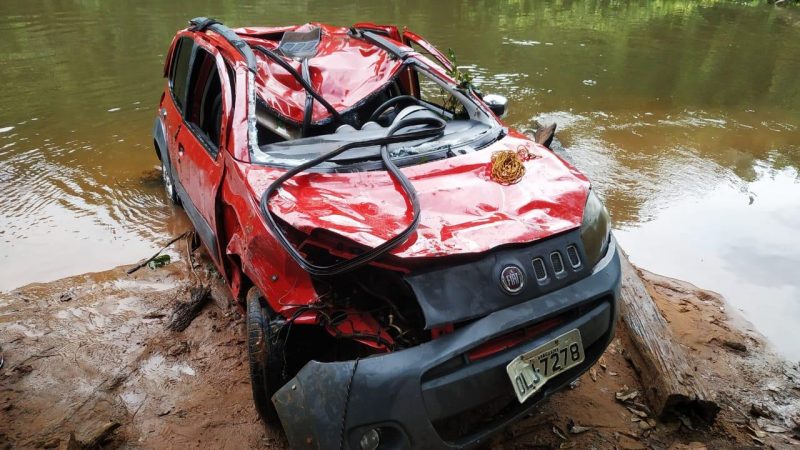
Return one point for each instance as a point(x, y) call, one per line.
point(417, 395)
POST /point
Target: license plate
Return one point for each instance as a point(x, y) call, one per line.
point(531, 370)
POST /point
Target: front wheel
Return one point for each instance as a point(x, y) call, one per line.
point(266, 354)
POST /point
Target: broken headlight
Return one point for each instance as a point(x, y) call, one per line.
point(595, 229)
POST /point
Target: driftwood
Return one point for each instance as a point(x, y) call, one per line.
point(671, 389)
point(185, 312)
point(544, 134)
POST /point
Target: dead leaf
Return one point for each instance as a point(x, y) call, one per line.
point(757, 433)
point(559, 433)
point(574, 428)
point(593, 374)
point(613, 374)
point(624, 396)
point(639, 413)
point(775, 429)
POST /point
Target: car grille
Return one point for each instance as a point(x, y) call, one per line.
point(547, 265)
point(539, 269)
point(574, 258)
point(558, 263)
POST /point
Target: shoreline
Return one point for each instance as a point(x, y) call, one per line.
point(88, 357)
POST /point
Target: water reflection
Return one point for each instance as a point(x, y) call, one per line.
point(736, 239)
point(682, 111)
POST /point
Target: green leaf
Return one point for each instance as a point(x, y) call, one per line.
point(158, 261)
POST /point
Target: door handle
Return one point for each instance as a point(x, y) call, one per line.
point(180, 150)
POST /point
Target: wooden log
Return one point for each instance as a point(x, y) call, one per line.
point(671, 388)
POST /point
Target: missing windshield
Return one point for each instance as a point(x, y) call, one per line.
point(414, 93)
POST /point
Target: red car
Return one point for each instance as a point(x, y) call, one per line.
point(416, 274)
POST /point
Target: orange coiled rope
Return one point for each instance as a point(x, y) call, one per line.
point(507, 165)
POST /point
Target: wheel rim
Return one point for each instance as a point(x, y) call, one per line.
point(167, 180)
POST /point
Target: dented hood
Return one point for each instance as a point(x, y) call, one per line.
point(462, 209)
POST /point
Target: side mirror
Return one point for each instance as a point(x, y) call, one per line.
point(497, 103)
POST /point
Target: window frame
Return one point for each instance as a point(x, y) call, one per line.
point(227, 102)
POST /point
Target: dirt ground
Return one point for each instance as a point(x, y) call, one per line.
point(88, 362)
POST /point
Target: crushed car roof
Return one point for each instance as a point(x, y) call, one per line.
point(345, 70)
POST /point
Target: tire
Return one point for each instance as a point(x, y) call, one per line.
point(169, 182)
point(266, 357)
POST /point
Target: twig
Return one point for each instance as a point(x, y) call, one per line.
point(41, 355)
point(140, 265)
point(140, 406)
point(189, 256)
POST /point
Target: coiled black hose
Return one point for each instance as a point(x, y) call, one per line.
point(394, 171)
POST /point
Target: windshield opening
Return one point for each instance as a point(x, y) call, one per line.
point(414, 93)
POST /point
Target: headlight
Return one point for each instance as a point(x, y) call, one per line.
point(595, 229)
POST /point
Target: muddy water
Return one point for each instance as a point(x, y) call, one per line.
point(685, 113)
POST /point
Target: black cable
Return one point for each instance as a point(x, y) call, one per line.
point(280, 61)
point(393, 170)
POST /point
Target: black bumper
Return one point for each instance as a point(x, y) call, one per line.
point(414, 395)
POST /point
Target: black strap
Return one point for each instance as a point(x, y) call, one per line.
point(380, 41)
point(201, 23)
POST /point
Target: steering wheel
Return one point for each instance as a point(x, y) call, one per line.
point(395, 101)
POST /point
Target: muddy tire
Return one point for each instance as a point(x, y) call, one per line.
point(169, 183)
point(266, 357)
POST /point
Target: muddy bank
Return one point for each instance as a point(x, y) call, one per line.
point(89, 359)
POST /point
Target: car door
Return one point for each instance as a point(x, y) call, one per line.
point(201, 139)
point(172, 108)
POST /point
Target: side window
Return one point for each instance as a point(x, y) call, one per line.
point(204, 101)
point(180, 69)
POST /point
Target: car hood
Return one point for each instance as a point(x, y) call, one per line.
point(462, 210)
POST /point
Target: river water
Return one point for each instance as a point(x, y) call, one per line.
point(684, 113)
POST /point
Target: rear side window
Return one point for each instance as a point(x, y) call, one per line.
point(180, 70)
point(204, 101)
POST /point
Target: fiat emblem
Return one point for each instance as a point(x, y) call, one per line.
point(512, 279)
